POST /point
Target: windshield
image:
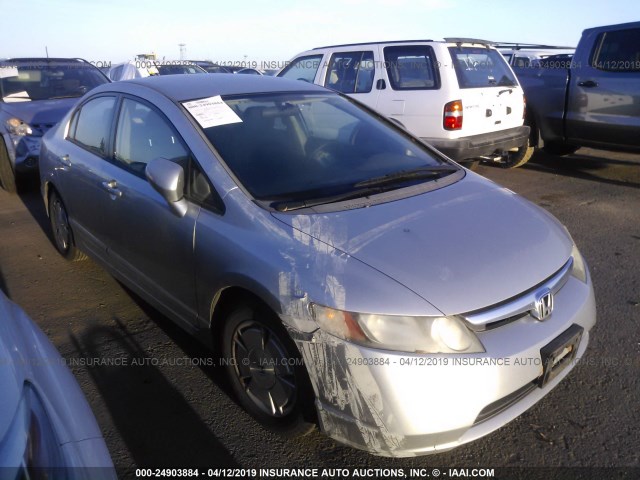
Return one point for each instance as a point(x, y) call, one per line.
point(44, 80)
point(478, 67)
point(298, 146)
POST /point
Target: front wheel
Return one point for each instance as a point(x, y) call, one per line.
point(265, 370)
point(62, 234)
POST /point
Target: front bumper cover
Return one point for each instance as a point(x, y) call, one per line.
point(401, 405)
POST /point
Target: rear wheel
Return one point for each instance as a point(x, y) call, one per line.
point(471, 165)
point(518, 157)
point(62, 234)
point(265, 370)
point(7, 176)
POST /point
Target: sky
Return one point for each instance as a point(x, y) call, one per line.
point(263, 32)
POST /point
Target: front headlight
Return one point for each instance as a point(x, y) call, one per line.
point(15, 126)
point(579, 268)
point(31, 447)
point(394, 332)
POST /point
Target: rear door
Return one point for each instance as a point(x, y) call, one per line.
point(491, 97)
point(82, 172)
point(604, 95)
point(411, 84)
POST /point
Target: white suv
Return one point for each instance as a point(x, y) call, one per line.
point(458, 95)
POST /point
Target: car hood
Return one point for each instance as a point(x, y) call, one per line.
point(40, 111)
point(463, 247)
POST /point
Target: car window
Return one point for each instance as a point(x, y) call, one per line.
point(303, 68)
point(310, 145)
point(478, 67)
point(351, 72)
point(91, 126)
point(618, 51)
point(144, 134)
point(411, 67)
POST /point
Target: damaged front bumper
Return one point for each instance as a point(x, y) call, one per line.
point(23, 151)
point(400, 404)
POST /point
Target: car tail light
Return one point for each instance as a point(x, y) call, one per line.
point(524, 106)
point(452, 119)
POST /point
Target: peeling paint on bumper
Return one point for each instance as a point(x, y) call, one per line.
point(401, 405)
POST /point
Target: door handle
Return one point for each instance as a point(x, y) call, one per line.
point(588, 84)
point(112, 188)
point(64, 159)
point(381, 84)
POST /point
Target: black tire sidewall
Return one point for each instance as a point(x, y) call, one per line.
point(296, 421)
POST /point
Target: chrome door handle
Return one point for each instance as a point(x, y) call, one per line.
point(64, 159)
point(112, 187)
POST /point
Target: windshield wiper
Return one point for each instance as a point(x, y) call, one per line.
point(406, 175)
point(287, 205)
point(66, 96)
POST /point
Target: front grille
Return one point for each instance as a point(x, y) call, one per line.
point(502, 404)
point(517, 307)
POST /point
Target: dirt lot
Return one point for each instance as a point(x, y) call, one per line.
point(162, 413)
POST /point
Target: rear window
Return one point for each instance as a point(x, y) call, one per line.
point(23, 81)
point(411, 67)
point(478, 67)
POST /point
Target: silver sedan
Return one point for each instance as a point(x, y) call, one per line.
point(347, 273)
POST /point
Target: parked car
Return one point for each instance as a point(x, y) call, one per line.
point(47, 429)
point(211, 67)
point(458, 95)
point(342, 267)
point(590, 99)
point(147, 68)
point(525, 55)
point(35, 93)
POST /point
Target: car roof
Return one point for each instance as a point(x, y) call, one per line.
point(180, 88)
point(44, 60)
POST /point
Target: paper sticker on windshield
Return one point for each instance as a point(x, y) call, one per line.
point(7, 71)
point(212, 112)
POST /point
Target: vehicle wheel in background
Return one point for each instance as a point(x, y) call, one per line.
point(7, 177)
point(471, 165)
point(517, 158)
point(62, 234)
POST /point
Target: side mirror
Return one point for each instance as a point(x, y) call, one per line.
point(167, 178)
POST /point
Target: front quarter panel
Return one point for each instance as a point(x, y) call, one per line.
point(288, 269)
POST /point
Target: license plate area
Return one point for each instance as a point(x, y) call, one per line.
point(559, 353)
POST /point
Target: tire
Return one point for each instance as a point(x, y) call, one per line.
point(265, 370)
point(560, 148)
point(61, 230)
point(7, 176)
point(471, 165)
point(518, 158)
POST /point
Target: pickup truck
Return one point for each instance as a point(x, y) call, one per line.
point(595, 102)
